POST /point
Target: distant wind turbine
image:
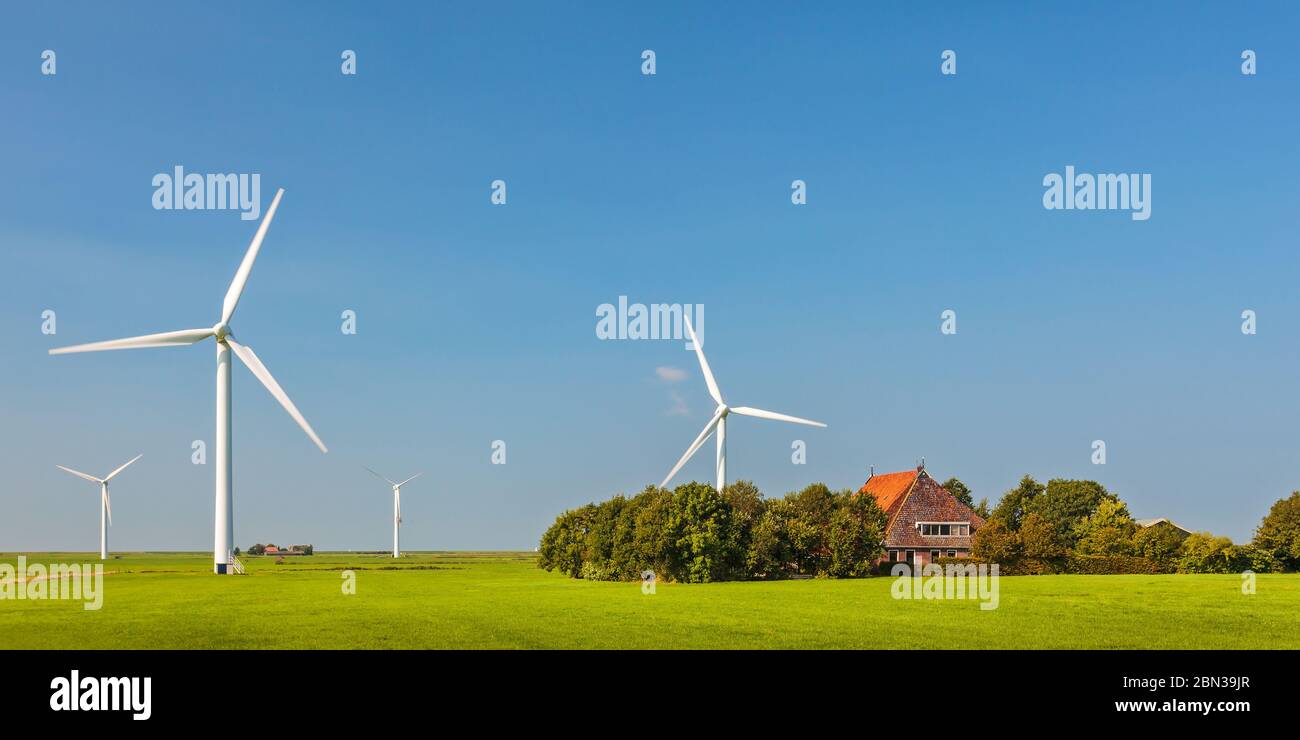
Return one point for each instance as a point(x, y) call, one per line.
point(105, 506)
point(719, 420)
point(397, 506)
point(224, 529)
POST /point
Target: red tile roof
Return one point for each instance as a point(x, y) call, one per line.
point(910, 497)
point(889, 488)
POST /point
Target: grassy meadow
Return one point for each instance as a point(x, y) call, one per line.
point(502, 600)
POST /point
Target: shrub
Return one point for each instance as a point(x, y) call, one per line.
point(1019, 567)
point(1252, 558)
point(1202, 552)
point(1112, 564)
point(1160, 543)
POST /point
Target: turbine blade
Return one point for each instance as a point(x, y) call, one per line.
point(704, 364)
point(80, 474)
point(408, 480)
point(695, 446)
point(249, 358)
point(241, 275)
point(760, 413)
point(380, 477)
point(108, 506)
point(165, 339)
point(115, 472)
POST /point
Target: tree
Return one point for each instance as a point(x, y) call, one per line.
point(814, 504)
point(1159, 542)
point(769, 554)
point(1203, 552)
point(564, 543)
point(747, 508)
point(1279, 533)
point(806, 544)
point(959, 491)
point(1065, 503)
point(1107, 531)
point(700, 534)
point(598, 546)
point(807, 523)
point(982, 509)
point(1039, 540)
point(855, 536)
point(1017, 502)
point(1252, 558)
point(995, 542)
point(650, 538)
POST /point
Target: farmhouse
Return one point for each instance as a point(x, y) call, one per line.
point(925, 521)
point(1162, 522)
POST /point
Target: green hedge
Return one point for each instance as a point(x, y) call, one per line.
point(1113, 564)
point(1076, 564)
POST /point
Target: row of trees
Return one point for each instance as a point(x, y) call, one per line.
point(1041, 527)
point(695, 534)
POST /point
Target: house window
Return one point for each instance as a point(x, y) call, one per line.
point(911, 557)
point(893, 556)
point(934, 555)
point(952, 553)
point(943, 529)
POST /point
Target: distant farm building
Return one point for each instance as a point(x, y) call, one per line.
point(260, 549)
point(1163, 522)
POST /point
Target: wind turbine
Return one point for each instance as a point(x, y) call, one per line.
point(105, 508)
point(224, 529)
point(397, 505)
point(719, 420)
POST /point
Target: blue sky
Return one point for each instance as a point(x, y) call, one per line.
point(476, 322)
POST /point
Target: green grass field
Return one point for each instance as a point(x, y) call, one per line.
point(502, 600)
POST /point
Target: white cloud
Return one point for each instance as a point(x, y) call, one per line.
point(670, 374)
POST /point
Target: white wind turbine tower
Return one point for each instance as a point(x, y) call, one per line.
point(397, 506)
point(105, 507)
point(224, 529)
point(719, 420)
